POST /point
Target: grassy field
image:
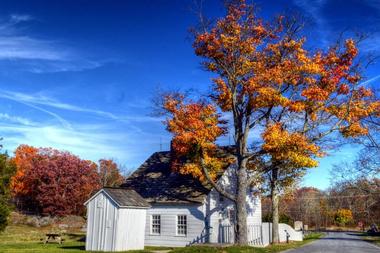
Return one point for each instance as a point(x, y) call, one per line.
point(18, 239)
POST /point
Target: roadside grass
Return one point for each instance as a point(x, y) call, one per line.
point(236, 249)
point(21, 238)
point(372, 238)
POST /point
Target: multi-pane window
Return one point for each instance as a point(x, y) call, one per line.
point(181, 225)
point(156, 224)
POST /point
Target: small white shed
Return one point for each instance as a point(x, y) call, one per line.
point(116, 220)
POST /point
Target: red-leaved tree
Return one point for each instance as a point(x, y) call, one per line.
point(53, 182)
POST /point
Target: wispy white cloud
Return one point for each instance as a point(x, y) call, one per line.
point(329, 27)
point(23, 99)
point(312, 9)
point(40, 101)
point(371, 44)
point(89, 141)
point(24, 47)
point(17, 18)
point(16, 119)
point(371, 80)
point(89, 144)
point(34, 54)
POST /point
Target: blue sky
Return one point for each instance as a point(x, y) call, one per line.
point(80, 75)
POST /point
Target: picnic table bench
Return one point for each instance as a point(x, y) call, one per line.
point(53, 237)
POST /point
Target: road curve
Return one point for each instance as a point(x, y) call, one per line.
point(338, 242)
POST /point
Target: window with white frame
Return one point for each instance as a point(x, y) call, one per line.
point(181, 225)
point(156, 224)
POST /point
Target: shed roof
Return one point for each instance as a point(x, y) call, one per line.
point(126, 197)
point(157, 183)
point(123, 197)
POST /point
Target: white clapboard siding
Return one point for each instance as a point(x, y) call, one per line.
point(168, 235)
point(216, 207)
point(101, 217)
point(130, 229)
point(254, 213)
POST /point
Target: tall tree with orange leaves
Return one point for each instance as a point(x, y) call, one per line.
point(271, 86)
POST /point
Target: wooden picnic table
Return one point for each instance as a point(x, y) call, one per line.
point(53, 236)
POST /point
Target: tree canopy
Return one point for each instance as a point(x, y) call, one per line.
point(53, 182)
point(270, 84)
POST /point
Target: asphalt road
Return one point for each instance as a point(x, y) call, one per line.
point(338, 242)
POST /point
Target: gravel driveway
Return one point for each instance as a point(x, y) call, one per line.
point(338, 242)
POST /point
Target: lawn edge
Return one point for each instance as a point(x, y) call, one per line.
point(307, 243)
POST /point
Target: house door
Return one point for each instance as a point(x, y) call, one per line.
point(109, 228)
point(106, 224)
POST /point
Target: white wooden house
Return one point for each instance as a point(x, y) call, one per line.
point(183, 211)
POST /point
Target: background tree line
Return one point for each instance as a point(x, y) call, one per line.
point(46, 181)
point(353, 198)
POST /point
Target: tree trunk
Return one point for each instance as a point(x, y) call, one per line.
point(275, 218)
point(275, 208)
point(241, 209)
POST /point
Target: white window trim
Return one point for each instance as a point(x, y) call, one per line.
point(176, 225)
point(151, 224)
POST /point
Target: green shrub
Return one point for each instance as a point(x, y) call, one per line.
point(7, 170)
point(282, 219)
point(4, 213)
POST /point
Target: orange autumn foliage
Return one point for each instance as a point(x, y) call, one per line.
point(195, 127)
point(271, 85)
point(266, 76)
point(263, 70)
point(292, 147)
point(23, 158)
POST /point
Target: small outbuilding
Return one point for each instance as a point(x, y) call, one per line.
point(116, 220)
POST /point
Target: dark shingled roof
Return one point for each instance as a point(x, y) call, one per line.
point(126, 197)
point(156, 183)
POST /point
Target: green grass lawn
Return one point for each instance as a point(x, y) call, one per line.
point(21, 238)
point(18, 239)
point(236, 249)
